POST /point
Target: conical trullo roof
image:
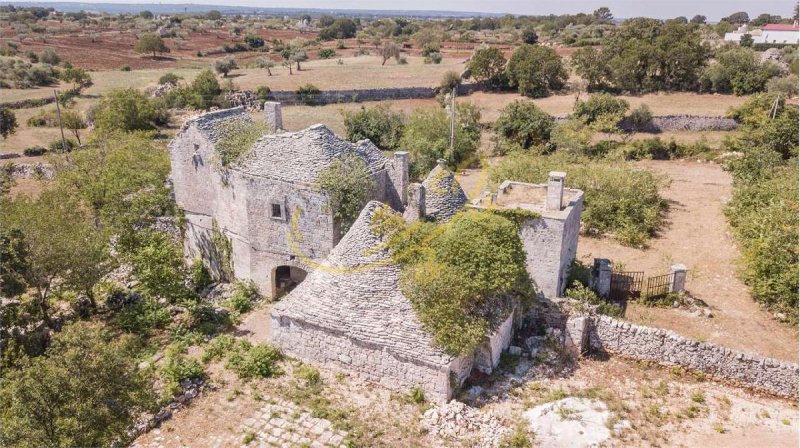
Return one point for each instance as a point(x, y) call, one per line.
point(356, 293)
point(443, 194)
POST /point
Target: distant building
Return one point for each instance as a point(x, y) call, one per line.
point(768, 34)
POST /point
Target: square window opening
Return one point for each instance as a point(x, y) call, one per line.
point(276, 211)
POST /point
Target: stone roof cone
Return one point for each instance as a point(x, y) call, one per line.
point(443, 194)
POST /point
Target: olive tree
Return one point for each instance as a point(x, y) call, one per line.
point(151, 43)
point(535, 71)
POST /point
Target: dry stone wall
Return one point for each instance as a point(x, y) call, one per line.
point(249, 100)
point(668, 348)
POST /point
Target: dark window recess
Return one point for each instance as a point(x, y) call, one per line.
point(276, 211)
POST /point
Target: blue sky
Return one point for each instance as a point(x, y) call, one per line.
point(713, 9)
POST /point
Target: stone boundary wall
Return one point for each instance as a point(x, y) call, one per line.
point(248, 99)
point(28, 103)
point(663, 123)
point(29, 170)
point(665, 347)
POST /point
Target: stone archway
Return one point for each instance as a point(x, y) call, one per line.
point(285, 278)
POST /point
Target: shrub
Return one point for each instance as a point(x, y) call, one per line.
point(450, 81)
point(254, 41)
point(8, 122)
point(125, 68)
point(129, 110)
point(462, 277)
point(49, 56)
point(326, 53)
point(737, 70)
point(225, 65)
point(308, 93)
point(43, 118)
point(535, 71)
point(347, 183)
point(379, 124)
point(435, 58)
point(238, 138)
point(178, 368)
point(204, 90)
point(58, 145)
point(487, 66)
point(523, 125)
point(786, 86)
point(309, 374)
point(158, 266)
point(640, 117)
point(602, 112)
point(169, 78)
point(402, 61)
point(417, 395)
point(582, 293)
point(427, 138)
point(618, 199)
point(244, 293)
point(219, 348)
point(199, 275)
point(33, 151)
point(253, 361)
point(262, 93)
point(142, 317)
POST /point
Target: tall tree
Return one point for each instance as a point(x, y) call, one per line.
point(85, 391)
point(535, 70)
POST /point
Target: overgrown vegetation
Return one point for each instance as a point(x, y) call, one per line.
point(381, 125)
point(619, 199)
point(238, 137)
point(348, 184)
point(763, 211)
point(463, 277)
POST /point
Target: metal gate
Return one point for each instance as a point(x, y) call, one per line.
point(626, 285)
point(658, 286)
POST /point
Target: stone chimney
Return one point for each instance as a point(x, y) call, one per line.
point(415, 210)
point(555, 191)
point(442, 163)
point(273, 117)
point(398, 176)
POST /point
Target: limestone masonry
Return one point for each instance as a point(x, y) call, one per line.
point(262, 217)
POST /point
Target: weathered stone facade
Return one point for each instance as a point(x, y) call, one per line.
point(351, 314)
point(607, 334)
point(551, 240)
point(267, 204)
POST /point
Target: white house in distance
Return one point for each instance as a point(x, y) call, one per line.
point(773, 33)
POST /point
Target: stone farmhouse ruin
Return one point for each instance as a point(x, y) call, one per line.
point(264, 219)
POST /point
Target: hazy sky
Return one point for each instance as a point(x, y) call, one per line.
point(713, 9)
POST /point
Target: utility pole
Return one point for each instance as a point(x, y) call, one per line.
point(452, 121)
point(60, 124)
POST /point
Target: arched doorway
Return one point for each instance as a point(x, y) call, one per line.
point(285, 279)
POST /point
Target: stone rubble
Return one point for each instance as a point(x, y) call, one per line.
point(455, 421)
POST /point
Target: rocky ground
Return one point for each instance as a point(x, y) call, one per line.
point(539, 393)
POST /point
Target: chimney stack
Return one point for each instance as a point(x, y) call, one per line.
point(442, 163)
point(555, 190)
point(415, 210)
point(273, 117)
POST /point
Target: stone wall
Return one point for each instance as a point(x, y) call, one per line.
point(248, 99)
point(677, 123)
point(668, 348)
point(369, 361)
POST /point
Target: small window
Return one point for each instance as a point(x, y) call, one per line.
point(277, 211)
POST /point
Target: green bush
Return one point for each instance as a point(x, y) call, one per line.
point(169, 78)
point(326, 53)
point(535, 70)
point(737, 70)
point(347, 183)
point(262, 93)
point(178, 368)
point(602, 112)
point(580, 292)
point(763, 211)
point(125, 68)
point(379, 124)
point(618, 199)
point(244, 293)
point(33, 151)
point(129, 110)
point(640, 117)
point(487, 66)
point(309, 374)
point(522, 124)
point(58, 145)
point(417, 395)
point(200, 276)
point(143, 317)
point(657, 149)
point(219, 348)
point(427, 138)
point(254, 361)
point(238, 138)
point(462, 277)
point(308, 93)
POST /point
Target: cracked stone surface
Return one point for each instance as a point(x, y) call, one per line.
point(279, 424)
